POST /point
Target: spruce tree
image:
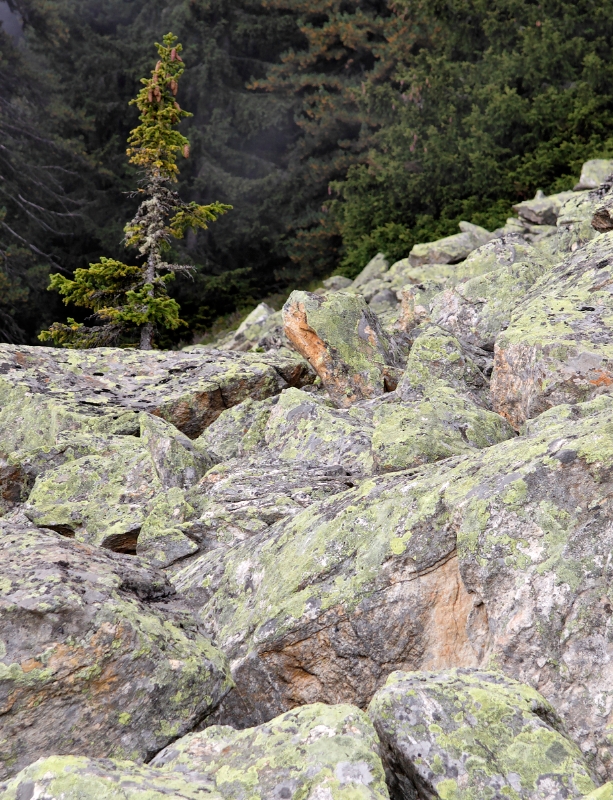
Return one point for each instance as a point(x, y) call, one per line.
point(124, 298)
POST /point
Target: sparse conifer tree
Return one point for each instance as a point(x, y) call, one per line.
point(122, 297)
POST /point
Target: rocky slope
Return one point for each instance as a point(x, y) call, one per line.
point(361, 548)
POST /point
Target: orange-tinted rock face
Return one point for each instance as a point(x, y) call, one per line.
point(344, 342)
point(87, 666)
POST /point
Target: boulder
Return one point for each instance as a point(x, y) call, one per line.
point(375, 269)
point(575, 222)
point(304, 428)
point(77, 388)
point(542, 210)
point(594, 172)
point(238, 430)
point(603, 793)
point(319, 752)
point(177, 462)
point(90, 662)
point(499, 556)
point(470, 733)
point(558, 347)
point(344, 342)
point(336, 282)
point(451, 249)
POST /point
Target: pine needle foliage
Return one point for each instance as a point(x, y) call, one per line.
point(125, 298)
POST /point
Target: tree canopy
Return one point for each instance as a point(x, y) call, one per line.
point(335, 128)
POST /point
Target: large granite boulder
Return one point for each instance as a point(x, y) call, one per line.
point(499, 556)
point(344, 342)
point(45, 390)
point(559, 345)
point(474, 734)
point(91, 660)
point(542, 210)
point(594, 172)
point(316, 752)
point(451, 249)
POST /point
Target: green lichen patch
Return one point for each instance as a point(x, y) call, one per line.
point(314, 751)
point(238, 431)
point(468, 734)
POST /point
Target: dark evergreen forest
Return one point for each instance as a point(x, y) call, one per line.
point(335, 128)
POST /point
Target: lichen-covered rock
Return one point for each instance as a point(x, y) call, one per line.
point(474, 734)
point(99, 499)
point(542, 210)
point(344, 342)
point(188, 389)
point(317, 752)
point(177, 462)
point(375, 268)
point(559, 345)
point(244, 497)
point(499, 557)
point(89, 664)
point(237, 431)
point(594, 172)
point(80, 778)
point(443, 425)
point(304, 428)
point(451, 249)
point(575, 222)
point(603, 793)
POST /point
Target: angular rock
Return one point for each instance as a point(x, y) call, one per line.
point(188, 389)
point(575, 222)
point(87, 664)
point(98, 499)
point(594, 172)
point(336, 282)
point(542, 210)
point(79, 778)
point(375, 268)
point(319, 752)
point(239, 430)
point(446, 424)
point(559, 345)
point(496, 557)
point(168, 533)
point(177, 462)
point(469, 733)
point(603, 793)
point(242, 498)
point(344, 343)
point(451, 249)
point(304, 428)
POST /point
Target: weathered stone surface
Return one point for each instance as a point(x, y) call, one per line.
point(188, 389)
point(375, 268)
point(594, 172)
point(241, 498)
point(603, 793)
point(451, 249)
point(304, 428)
point(177, 462)
point(497, 557)
point(89, 664)
point(239, 430)
point(98, 499)
point(474, 734)
point(344, 342)
point(316, 752)
point(575, 222)
point(542, 210)
point(559, 345)
point(80, 778)
point(336, 282)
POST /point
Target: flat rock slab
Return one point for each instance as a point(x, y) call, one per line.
point(500, 554)
point(558, 347)
point(89, 664)
point(188, 389)
point(317, 752)
point(469, 733)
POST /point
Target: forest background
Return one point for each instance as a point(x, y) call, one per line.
point(336, 128)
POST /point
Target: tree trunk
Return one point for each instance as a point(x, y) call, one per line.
point(146, 337)
point(147, 331)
